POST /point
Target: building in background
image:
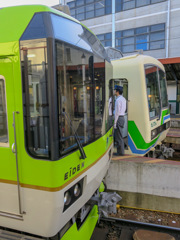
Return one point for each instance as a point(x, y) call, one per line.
point(132, 25)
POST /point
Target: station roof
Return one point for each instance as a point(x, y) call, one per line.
point(172, 68)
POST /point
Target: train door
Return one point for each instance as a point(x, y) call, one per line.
point(9, 200)
point(124, 84)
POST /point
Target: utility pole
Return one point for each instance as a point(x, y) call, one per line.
point(113, 23)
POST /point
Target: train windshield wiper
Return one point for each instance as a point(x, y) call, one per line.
point(83, 155)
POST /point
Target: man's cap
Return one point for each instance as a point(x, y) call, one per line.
point(116, 87)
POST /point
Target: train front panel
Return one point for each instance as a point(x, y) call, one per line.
point(148, 118)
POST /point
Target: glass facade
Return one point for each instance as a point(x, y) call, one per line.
point(86, 9)
point(145, 38)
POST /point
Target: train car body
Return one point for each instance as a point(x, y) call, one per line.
point(145, 88)
point(55, 136)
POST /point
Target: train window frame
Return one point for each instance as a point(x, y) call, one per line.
point(92, 103)
point(5, 144)
point(33, 122)
point(161, 89)
point(159, 92)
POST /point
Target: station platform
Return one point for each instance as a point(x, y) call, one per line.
point(173, 136)
point(146, 183)
point(175, 121)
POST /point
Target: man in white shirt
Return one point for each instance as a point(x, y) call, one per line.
point(120, 108)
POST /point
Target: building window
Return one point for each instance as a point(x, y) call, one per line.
point(140, 3)
point(106, 39)
point(128, 4)
point(79, 3)
point(118, 5)
point(86, 9)
point(99, 8)
point(142, 42)
point(108, 6)
point(145, 38)
point(157, 1)
point(89, 11)
point(80, 13)
point(122, 5)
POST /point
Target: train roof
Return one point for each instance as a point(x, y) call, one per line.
point(137, 59)
point(127, 67)
point(14, 20)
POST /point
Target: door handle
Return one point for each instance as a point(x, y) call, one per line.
point(13, 148)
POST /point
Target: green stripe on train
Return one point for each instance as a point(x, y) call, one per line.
point(164, 113)
point(137, 137)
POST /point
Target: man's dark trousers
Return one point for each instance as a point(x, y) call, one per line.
point(118, 135)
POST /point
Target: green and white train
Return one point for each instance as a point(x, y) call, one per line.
point(148, 115)
point(55, 135)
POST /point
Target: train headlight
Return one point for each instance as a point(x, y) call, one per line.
point(77, 190)
point(67, 198)
point(153, 133)
point(73, 194)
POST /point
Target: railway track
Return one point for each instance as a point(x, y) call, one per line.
point(121, 229)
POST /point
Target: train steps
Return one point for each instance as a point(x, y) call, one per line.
point(8, 235)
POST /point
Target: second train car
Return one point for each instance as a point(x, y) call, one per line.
point(148, 117)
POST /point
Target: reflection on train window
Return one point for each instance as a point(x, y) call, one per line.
point(36, 107)
point(3, 113)
point(162, 79)
point(152, 90)
point(110, 104)
point(80, 95)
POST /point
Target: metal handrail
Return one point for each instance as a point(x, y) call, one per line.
point(17, 167)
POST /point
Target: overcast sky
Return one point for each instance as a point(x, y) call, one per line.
point(7, 3)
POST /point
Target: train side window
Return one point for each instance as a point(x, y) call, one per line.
point(151, 74)
point(163, 87)
point(80, 95)
point(35, 97)
point(3, 114)
point(74, 96)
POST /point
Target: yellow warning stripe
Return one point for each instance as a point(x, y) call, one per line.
point(123, 157)
point(154, 161)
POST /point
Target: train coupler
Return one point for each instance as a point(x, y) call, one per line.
point(106, 202)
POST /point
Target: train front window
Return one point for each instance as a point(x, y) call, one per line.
point(162, 79)
point(36, 105)
point(3, 113)
point(153, 94)
point(80, 97)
